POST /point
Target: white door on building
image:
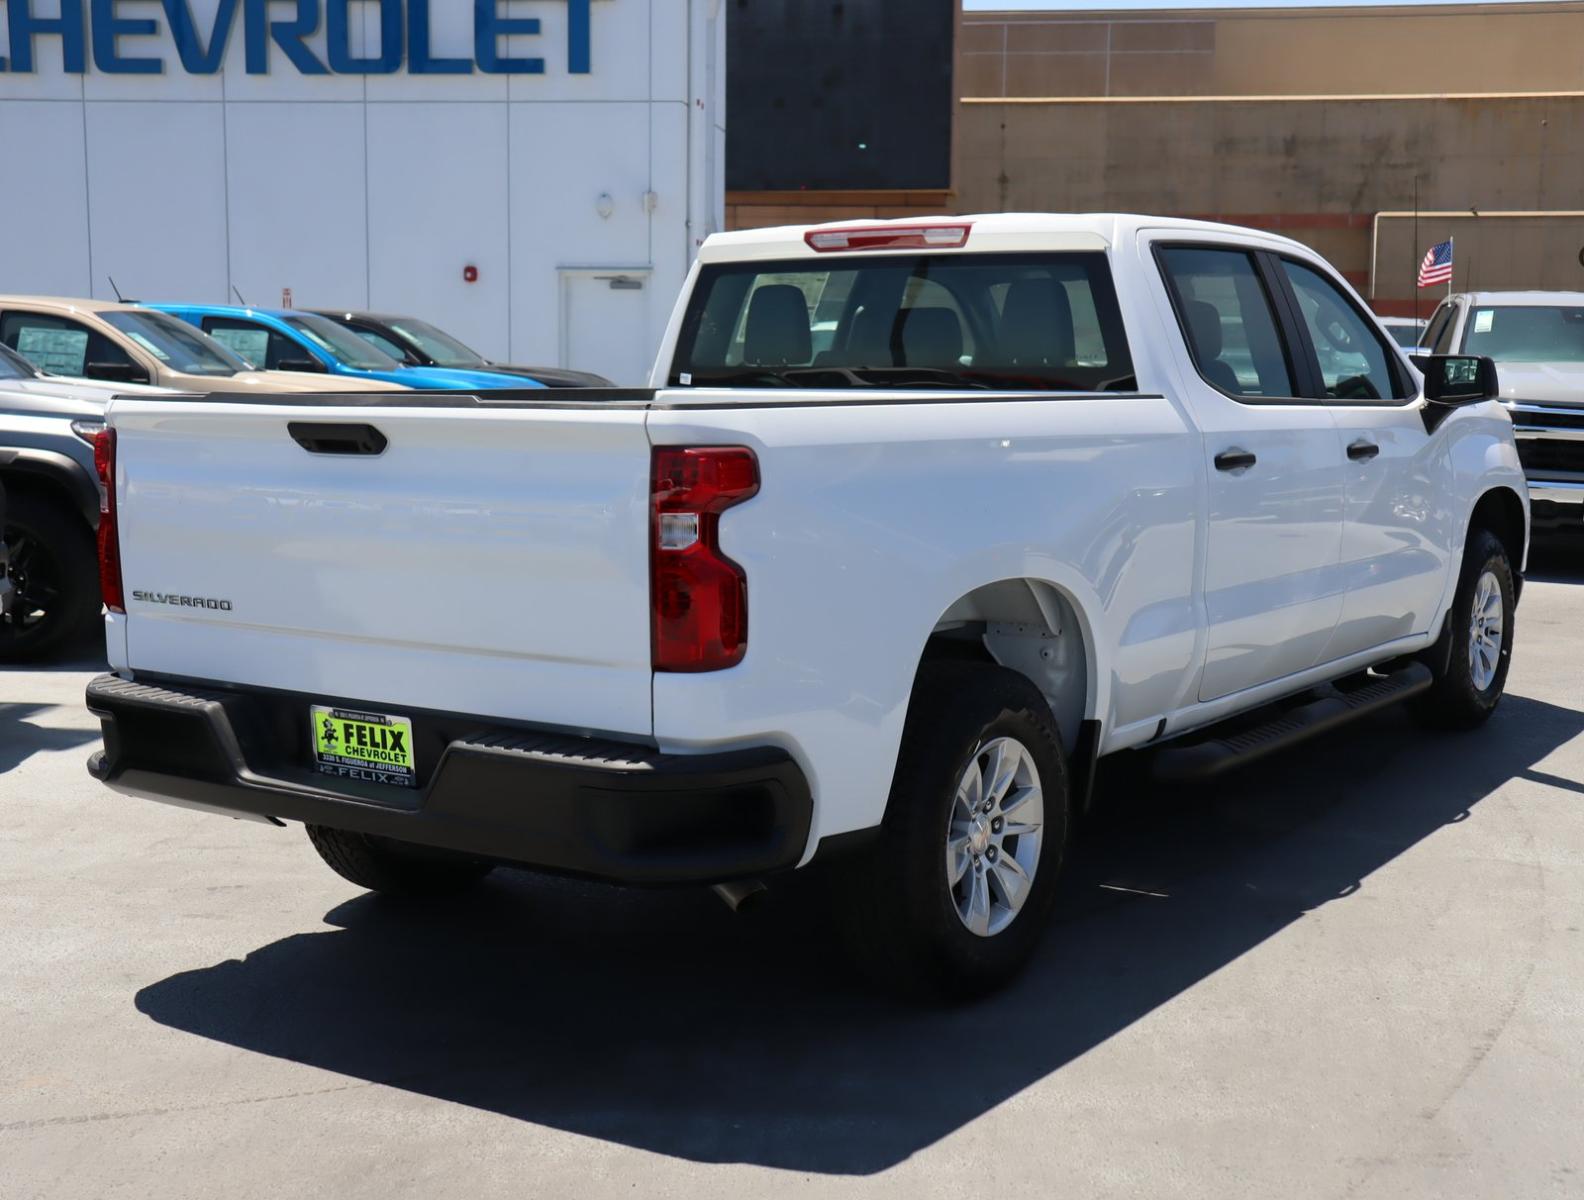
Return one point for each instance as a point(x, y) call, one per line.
point(605, 322)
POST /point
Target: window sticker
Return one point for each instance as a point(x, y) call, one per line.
point(249, 344)
point(58, 351)
point(1483, 317)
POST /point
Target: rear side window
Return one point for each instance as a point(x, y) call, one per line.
point(1014, 322)
point(1228, 320)
point(59, 345)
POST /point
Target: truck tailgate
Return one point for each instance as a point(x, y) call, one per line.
point(491, 560)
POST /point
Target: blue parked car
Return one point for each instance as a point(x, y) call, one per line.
point(290, 339)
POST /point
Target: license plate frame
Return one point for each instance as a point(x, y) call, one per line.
point(361, 745)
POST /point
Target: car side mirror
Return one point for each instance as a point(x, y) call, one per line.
point(116, 372)
point(301, 364)
point(1456, 379)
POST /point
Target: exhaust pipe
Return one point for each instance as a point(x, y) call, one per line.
point(741, 895)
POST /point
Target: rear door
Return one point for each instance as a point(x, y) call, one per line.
point(492, 559)
point(1273, 592)
point(1395, 537)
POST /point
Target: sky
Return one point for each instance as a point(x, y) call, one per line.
point(1072, 5)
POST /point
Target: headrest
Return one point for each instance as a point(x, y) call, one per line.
point(1036, 324)
point(1204, 322)
point(931, 337)
point(777, 334)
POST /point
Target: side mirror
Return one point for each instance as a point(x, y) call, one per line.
point(116, 372)
point(301, 364)
point(1455, 379)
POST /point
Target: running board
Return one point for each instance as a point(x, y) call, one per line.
point(1208, 753)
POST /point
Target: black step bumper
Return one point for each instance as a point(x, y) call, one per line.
point(606, 809)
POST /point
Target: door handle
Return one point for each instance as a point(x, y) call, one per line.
point(1363, 450)
point(327, 437)
point(1235, 459)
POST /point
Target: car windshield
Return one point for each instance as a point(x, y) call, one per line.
point(1005, 322)
point(175, 343)
point(440, 347)
point(1526, 333)
point(340, 343)
point(14, 366)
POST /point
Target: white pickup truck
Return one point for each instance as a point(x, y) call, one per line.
point(916, 522)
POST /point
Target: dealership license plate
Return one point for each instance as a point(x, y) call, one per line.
point(371, 747)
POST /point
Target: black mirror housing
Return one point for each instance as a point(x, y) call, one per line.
point(301, 364)
point(116, 372)
point(1454, 379)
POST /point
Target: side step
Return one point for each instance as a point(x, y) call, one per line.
point(1208, 753)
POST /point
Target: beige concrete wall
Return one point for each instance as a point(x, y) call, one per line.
point(1469, 48)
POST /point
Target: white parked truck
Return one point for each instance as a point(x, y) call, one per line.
point(915, 523)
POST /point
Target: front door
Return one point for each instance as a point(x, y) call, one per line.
point(1395, 543)
point(1272, 587)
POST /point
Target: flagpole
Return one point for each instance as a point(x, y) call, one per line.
point(1452, 255)
point(1416, 246)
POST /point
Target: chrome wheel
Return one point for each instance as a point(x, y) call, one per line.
point(993, 842)
point(1485, 631)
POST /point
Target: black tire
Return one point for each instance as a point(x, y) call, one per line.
point(1454, 701)
point(54, 573)
point(896, 906)
point(395, 868)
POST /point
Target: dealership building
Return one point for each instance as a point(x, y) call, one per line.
point(1367, 132)
point(534, 175)
point(531, 175)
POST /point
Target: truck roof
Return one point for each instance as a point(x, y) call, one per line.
point(986, 232)
point(1534, 299)
point(66, 304)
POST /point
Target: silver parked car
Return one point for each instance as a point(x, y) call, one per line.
point(1537, 340)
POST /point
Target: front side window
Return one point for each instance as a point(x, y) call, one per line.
point(1354, 363)
point(1228, 319)
point(1526, 333)
point(442, 349)
point(13, 365)
point(175, 343)
point(341, 344)
point(1440, 326)
point(1009, 322)
point(246, 340)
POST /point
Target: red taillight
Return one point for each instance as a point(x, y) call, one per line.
point(944, 236)
point(698, 596)
point(104, 447)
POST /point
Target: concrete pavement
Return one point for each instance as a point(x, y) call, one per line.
point(1353, 972)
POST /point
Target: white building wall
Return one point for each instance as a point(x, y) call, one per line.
point(375, 191)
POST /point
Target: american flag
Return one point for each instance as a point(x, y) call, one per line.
point(1437, 265)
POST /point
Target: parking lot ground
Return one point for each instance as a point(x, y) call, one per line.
point(1357, 971)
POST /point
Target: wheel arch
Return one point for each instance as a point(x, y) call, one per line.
point(1036, 628)
point(57, 476)
point(1502, 511)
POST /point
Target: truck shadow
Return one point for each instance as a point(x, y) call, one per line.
point(20, 739)
point(661, 1021)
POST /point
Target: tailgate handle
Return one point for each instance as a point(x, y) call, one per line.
point(323, 437)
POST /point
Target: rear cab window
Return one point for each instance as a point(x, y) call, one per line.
point(1001, 322)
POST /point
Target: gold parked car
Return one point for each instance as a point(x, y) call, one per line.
point(124, 343)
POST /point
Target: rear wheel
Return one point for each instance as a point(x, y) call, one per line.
point(54, 578)
point(1479, 626)
point(954, 895)
point(394, 868)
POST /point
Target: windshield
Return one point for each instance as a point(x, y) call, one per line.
point(1526, 333)
point(175, 343)
point(14, 366)
point(341, 344)
point(1043, 322)
point(440, 347)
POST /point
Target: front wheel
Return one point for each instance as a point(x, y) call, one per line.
point(1480, 624)
point(954, 895)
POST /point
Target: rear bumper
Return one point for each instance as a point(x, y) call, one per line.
point(610, 810)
